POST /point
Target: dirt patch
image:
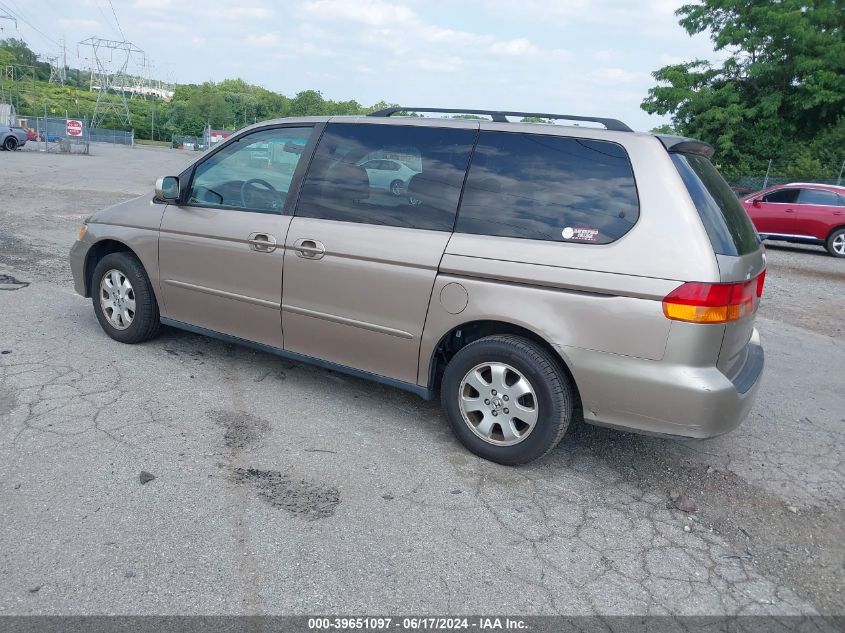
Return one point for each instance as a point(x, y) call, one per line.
point(240, 430)
point(8, 282)
point(300, 497)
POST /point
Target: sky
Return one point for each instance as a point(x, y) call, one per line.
point(583, 57)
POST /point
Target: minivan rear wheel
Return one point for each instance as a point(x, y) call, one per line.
point(836, 243)
point(123, 299)
point(507, 399)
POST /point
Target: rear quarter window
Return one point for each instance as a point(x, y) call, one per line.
point(727, 224)
point(818, 197)
point(552, 188)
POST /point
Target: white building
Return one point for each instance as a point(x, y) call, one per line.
point(7, 114)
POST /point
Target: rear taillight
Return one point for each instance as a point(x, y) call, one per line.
point(696, 302)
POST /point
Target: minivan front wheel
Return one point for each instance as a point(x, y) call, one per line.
point(836, 243)
point(123, 299)
point(507, 399)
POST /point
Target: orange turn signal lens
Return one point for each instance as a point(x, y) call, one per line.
point(82, 231)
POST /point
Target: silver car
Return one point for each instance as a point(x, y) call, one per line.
point(532, 275)
point(12, 137)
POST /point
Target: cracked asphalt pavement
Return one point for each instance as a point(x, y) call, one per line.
point(286, 489)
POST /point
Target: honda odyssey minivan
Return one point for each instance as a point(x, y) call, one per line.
point(530, 274)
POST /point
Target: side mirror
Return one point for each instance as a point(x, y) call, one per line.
point(756, 202)
point(167, 188)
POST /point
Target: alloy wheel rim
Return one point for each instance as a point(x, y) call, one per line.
point(498, 404)
point(839, 244)
point(117, 299)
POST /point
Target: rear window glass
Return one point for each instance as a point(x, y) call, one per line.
point(727, 224)
point(554, 188)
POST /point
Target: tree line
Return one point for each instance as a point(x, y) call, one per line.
point(229, 104)
point(779, 94)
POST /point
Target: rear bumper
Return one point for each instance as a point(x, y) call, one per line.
point(660, 398)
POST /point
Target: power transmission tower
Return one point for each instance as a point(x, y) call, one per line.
point(112, 59)
point(57, 71)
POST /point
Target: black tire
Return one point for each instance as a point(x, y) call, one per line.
point(397, 187)
point(145, 323)
point(554, 392)
point(838, 235)
point(10, 144)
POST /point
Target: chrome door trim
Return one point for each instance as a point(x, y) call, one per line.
point(302, 249)
point(801, 237)
point(261, 245)
point(333, 318)
point(222, 293)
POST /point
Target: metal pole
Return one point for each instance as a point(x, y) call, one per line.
point(45, 126)
point(766, 179)
point(841, 169)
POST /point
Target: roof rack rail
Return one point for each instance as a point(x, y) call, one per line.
point(501, 116)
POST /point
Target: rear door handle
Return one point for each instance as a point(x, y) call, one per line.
point(790, 210)
point(261, 242)
point(309, 249)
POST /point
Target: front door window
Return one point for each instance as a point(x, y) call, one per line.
point(253, 173)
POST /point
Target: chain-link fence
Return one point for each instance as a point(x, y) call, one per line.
point(70, 136)
point(758, 183)
point(54, 134)
point(116, 137)
point(778, 172)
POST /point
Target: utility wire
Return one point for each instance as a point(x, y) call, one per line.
point(116, 21)
point(20, 17)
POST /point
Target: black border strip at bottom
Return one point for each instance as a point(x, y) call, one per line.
point(379, 624)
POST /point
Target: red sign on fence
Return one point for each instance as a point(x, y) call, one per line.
point(74, 128)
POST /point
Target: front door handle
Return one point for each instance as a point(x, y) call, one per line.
point(309, 249)
point(262, 242)
point(790, 210)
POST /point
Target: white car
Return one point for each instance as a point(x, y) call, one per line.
point(389, 174)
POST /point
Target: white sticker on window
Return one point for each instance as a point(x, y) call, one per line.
point(582, 235)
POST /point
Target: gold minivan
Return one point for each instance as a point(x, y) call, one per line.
point(528, 273)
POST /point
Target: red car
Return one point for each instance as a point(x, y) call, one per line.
point(803, 213)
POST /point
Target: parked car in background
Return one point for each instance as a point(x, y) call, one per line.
point(12, 137)
point(802, 213)
point(389, 174)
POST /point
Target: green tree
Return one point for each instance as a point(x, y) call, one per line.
point(781, 88)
